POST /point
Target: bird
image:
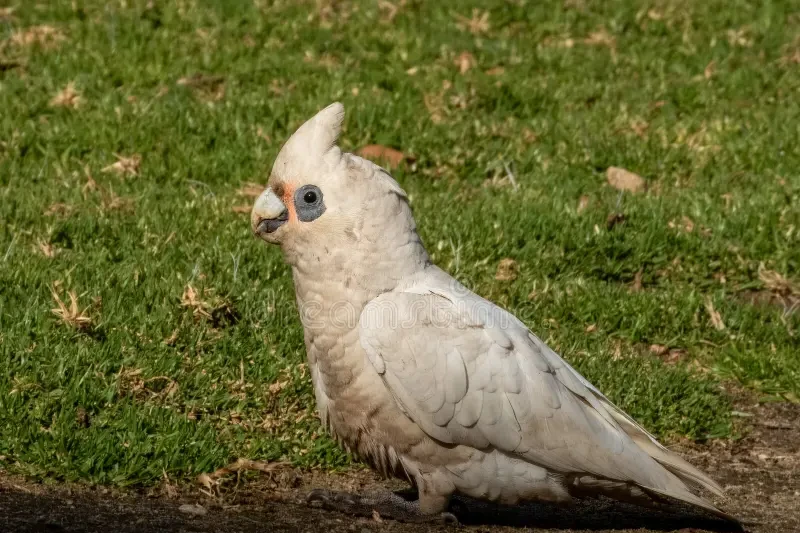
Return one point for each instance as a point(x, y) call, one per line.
point(423, 379)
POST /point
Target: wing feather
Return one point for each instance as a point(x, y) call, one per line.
point(469, 373)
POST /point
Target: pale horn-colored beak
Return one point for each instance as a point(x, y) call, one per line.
point(269, 213)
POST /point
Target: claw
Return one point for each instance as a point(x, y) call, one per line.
point(318, 497)
point(449, 519)
point(388, 505)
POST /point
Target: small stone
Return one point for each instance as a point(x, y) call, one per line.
point(193, 509)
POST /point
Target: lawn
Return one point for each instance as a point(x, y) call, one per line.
point(131, 133)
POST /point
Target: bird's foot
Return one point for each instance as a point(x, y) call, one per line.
point(383, 504)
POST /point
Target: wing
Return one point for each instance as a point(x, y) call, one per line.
point(469, 373)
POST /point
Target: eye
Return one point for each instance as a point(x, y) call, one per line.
point(308, 203)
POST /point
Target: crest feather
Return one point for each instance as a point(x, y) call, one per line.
point(312, 144)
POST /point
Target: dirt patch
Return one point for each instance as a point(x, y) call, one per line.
point(760, 473)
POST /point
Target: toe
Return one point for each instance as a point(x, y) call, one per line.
point(318, 496)
point(449, 519)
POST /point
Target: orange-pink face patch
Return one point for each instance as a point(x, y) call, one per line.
point(285, 192)
point(288, 201)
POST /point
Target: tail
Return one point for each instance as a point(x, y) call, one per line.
point(685, 472)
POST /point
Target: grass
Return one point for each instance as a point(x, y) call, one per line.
point(182, 350)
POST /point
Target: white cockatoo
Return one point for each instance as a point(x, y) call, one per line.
point(422, 378)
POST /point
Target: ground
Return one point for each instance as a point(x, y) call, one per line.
point(620, 175)
point(758, 472)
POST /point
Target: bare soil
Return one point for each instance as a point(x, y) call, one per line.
point(760, 473)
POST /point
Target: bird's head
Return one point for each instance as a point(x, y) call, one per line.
point(322, 202)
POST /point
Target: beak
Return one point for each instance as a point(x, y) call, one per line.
point(269, 213)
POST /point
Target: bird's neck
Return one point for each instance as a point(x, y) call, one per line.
point(341, 281)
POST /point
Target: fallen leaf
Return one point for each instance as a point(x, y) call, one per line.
point(465, 61)
point(583, 203)
point(507, 270)
point(591, 328)
point(125, 165)
point(496, 71)
point(713, 315)
point(625, 180)
point(67, 97)
point(382, 154)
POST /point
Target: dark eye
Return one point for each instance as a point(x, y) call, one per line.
point(308, 200)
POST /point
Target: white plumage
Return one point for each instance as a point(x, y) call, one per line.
point(423, 378)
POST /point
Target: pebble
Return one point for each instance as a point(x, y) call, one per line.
point(194, 509)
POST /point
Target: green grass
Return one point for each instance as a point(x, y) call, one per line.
point(152, 388)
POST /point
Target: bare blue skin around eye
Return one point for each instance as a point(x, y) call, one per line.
point(306, 212)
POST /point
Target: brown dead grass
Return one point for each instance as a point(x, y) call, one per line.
point(70, 315)
point(713, 315)
point(507, 270)
point(131, 383)
point(207, 305)
point(125, 165)
point(477, 24)
point(46, 36)
point(67, 97)
point(208, 88)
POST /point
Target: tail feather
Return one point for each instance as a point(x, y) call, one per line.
point(697, 501)
point(668, 459)
point(675, 464)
